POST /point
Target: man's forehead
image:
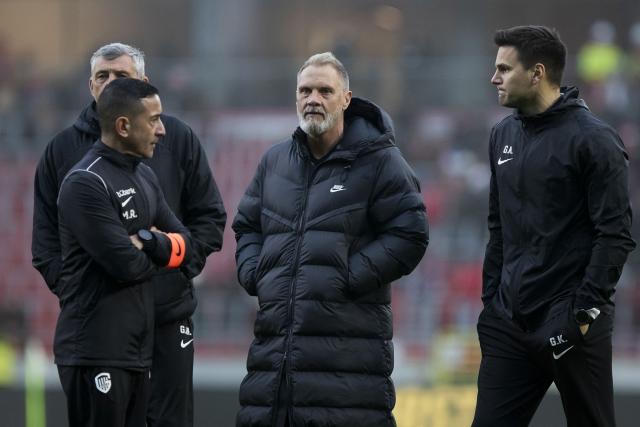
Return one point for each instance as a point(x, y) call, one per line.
point(121, 63)
point(318, 74)
point(507, 55)
point(152, 104)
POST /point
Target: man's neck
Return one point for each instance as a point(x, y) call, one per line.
point(322, 144)
point(115, 144)
point(543, 100)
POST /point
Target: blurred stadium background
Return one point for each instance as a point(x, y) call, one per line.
point(227, 68)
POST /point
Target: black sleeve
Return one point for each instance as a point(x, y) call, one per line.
point(248, 230)
point(45, 241)
point(88, 216)
point(606, 182)
point(399, 221)
point(203, 212)
point(492, 268)
point(167, 222)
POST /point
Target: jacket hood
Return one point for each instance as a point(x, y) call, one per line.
point(367, 128)
point(569, 99)
point(87, 121)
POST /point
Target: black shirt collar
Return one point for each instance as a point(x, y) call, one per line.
point(125, 161)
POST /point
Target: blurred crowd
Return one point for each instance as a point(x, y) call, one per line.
point(446, 144)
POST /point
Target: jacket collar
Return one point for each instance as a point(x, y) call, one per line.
point(569, 99)
point(125, 161)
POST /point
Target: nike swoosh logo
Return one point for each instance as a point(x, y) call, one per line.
point(501, 162)
point(126, 201)
point(185, 344)
point(179, 252)
point(558, 356)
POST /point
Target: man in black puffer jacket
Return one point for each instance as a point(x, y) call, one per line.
point(331, 218)
point(191, 192)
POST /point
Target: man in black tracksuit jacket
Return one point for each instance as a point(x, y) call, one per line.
point(104, 335)
point(331, 218)
point(190, 191)
point(559, 220)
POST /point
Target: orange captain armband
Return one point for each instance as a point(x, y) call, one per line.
point(178, 248)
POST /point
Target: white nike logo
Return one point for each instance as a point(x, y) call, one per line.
point(500, 161)
point(558, 356)
point(126, 201)
point(185, 344)
point(337, 187)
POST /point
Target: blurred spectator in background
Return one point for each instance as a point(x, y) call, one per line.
point(12, 342)
point(600, 65)
point(559, 223)
point(190, 190)
point(633, 67)
point(331, 218)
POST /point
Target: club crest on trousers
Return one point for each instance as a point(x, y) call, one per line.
point(103, 382)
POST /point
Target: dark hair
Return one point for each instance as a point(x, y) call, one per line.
point(122, 97)
point(536, 44)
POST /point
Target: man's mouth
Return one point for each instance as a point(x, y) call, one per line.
point(314, 113)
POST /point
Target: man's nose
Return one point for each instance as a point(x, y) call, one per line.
point(160, 131)
point(494, 79)
point(314, 98)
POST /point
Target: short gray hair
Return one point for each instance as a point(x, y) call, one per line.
point(327, 58)
point(113, 51)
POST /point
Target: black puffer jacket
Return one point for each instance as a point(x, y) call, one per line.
point(559, 214)
point(319, 243)
point(181, 165)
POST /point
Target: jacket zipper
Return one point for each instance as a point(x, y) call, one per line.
point(515, 300)
point(291, 295)
point(147, 205)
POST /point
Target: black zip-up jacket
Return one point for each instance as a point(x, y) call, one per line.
point(559, 212)
point(106, 298)
point(319, 242)
point(181, 165)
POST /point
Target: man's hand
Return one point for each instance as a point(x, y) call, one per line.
point(136, 241)
point(584, 329)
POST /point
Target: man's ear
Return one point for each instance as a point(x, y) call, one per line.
point(539, 72)
point(122, 126)
point(347, 100)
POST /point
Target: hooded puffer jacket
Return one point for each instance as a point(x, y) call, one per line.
point(319, 242)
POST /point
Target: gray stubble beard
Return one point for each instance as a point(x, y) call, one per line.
point(314, 128)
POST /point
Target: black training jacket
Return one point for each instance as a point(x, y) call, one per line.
point(319, 242)
point(559, 214)
point(181, 165)
point(106, 298)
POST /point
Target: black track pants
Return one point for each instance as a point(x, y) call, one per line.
point(104, 396)
point(518, 367)
point(171, 401)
